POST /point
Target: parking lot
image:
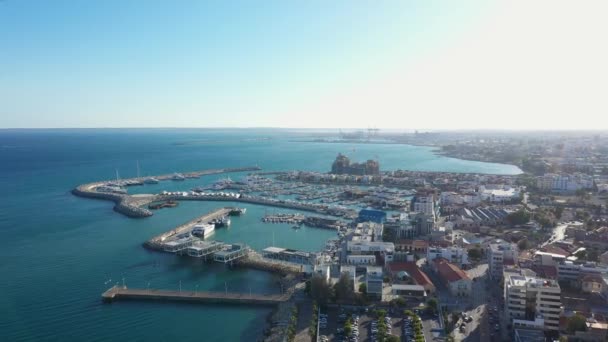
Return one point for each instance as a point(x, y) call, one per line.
point(365, 323)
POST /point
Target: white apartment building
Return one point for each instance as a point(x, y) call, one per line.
point(566, 182)
point(572, 272)
point(531, 301)
point(455, 255)
point(500, 253)
point(425, 204)
point(367, 252)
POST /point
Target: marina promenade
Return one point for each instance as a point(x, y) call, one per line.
point(122, 292)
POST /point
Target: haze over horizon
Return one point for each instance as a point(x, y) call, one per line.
point(537, 65)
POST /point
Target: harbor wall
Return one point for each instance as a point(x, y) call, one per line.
point(122, 204)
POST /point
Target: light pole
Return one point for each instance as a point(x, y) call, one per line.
point(180, 286)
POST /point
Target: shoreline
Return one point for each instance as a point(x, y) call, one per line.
point(435, 149)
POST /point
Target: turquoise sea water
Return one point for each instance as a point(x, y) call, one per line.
point(59, 252)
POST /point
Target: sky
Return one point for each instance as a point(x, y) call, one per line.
point(513, 64)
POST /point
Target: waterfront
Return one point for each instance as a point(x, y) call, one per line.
point(59, 251)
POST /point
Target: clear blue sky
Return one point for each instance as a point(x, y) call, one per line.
point(264, 63)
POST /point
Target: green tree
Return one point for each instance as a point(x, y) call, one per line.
point(392, 338)
point(577, 322)
point(409, 313)
point(343, 289)
point(363, 288)
point(388, 235)
point(593, 255)
point(523, 244)
point(320, 290)
point(432, 304)
point(474, 253)
point(518, 217)
point(348, 327)
point(398, 302)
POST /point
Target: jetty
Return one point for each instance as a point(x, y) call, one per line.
point(204, 297)
point(157, 242)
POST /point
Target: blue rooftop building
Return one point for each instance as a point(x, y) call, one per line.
point(370, 215)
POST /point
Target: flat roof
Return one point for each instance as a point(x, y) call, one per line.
point(274, 249)
point(408, 287)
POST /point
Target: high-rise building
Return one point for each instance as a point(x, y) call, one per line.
point(500, 254)
point(530, 301)
point(342, 165)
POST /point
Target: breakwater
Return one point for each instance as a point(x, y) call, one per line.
point(132, 206)
point(122, 292)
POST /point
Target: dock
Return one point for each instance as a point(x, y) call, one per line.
point(204, 297)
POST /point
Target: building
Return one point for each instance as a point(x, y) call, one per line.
point(363, 252)
point(455, 255)
point(564, 182)
point(374, 281)
point(500, 253)
point(604, 258)
point(402, 226)
point(572, 273)
point(413, 275)
point(548, 259)
point(342, 165)
point(423, 224)
point(408, 291)
point(371, 229)
point(417, 247)
point(290, 255)
point(475, 217)
point(370, 215)
point(425, 204)
point(323, 271)
point(456, 280)
point(499, 194)
point(351, 271)
point(528, 335)
point(530, 301)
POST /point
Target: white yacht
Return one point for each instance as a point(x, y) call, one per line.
point(151, 180)
point(178, 177)
point(203, 230)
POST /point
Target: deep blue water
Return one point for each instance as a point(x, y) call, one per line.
point(58, 251)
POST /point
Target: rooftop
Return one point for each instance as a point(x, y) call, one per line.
point(450, 272)
point(414, 271)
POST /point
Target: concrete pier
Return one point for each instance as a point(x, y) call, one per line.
point(156, 242)
point(120, 292)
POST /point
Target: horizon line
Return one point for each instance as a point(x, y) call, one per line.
point(321, 128)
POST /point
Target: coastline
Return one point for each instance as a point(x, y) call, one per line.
point(435, 149)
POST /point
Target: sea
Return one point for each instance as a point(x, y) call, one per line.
point(58, 252)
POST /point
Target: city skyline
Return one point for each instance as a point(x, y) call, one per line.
point(499, 65)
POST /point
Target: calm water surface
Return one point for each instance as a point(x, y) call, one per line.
point(59, 253)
